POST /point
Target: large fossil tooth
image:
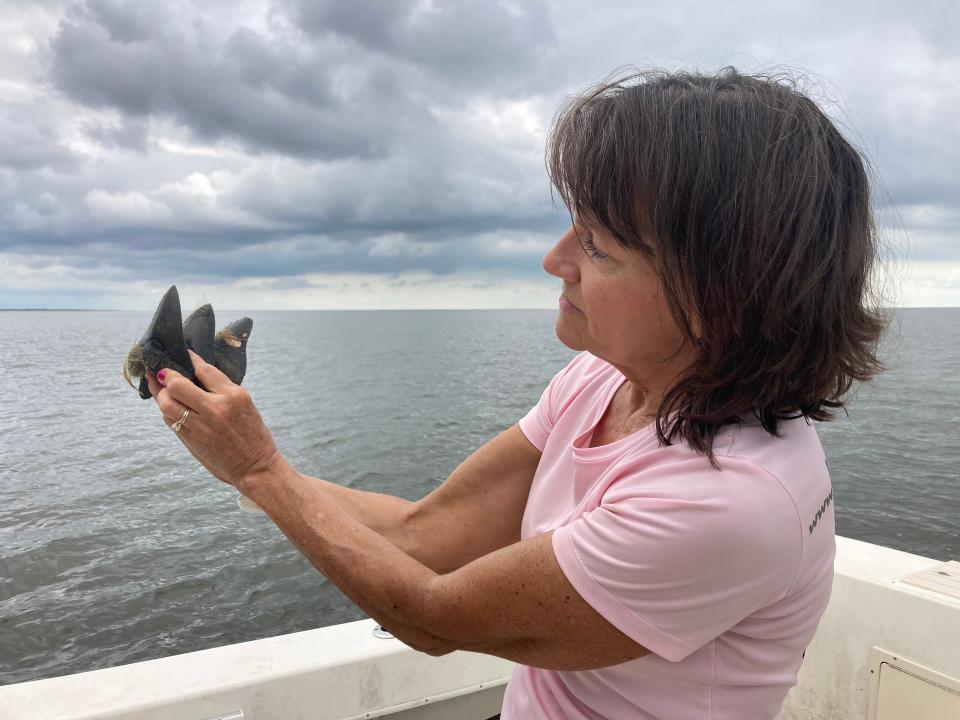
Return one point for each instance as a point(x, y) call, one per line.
point(162, 345)
point(230, 348)
point(165, 343)
point(198, 331)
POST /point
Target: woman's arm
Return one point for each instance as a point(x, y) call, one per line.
point(475, 511)
point(514, 602)
point(386, 515)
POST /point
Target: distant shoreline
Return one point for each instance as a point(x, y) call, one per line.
point(934, 307)
point(277, 310)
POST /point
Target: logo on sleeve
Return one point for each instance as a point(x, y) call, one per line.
point(821, 511)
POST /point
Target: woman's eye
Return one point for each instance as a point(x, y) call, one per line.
point(591, 248)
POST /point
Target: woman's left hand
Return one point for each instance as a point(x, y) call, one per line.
point(223, 431)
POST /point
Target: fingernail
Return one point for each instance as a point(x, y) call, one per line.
point(161, 375)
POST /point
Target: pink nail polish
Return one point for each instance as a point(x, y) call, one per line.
point(161, 375)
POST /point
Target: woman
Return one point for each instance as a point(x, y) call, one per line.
point(655, 538)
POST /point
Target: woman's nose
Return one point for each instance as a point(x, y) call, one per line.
point(559, 262)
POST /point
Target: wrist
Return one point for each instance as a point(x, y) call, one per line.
point(262, 481)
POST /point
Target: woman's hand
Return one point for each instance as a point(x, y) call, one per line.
point(223, 431)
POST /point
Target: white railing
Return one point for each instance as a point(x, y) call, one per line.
point(345, 672)
point(335, 672)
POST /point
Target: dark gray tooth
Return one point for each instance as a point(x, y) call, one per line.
point(165, 332)
point(162, 345)
point(198, 332)
point(230, 349)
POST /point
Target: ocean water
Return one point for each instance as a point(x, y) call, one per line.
point(115, 546)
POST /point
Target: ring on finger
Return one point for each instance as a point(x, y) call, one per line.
point(179, 423)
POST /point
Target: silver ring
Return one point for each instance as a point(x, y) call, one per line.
point(179, 423)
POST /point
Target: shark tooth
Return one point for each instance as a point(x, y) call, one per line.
point(165, 344)
point(162, 345)
point(230, 349)
point(198, 332)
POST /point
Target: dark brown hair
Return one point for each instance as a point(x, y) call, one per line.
point(755, 212)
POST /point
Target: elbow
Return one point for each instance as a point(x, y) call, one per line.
point(433, 646)
point(440, 650)
point(434, 635)
point(415, 627)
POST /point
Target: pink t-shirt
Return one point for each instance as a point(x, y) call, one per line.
point(722, 575)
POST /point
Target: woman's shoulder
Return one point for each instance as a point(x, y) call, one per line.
point(752, 463)
point(793, 460)
point(795, 444)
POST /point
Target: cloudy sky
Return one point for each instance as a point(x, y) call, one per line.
point(323, 154)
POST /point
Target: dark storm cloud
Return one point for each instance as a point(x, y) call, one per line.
point(273, 138)
point(115, 260)
point(370, 148)
point(476, 44)
point(266, 93)
point(333, 83)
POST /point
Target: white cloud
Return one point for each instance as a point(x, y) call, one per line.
point(930, 284)
point(395, 244)
point(195, 202)
point(125, 208)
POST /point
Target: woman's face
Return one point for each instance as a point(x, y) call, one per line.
point(612, 305)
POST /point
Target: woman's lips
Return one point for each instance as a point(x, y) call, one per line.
point(567, 305)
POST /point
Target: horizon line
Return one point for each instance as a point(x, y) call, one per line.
point(387, 309)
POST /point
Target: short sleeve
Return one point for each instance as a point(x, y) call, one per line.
point(675, 556)
point(538, 423)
